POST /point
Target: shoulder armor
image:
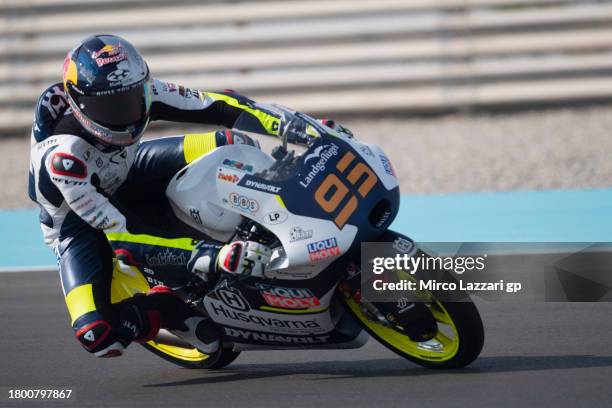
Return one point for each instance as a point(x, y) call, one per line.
point(50, 109)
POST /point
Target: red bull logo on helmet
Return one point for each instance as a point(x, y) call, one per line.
point(114, 53)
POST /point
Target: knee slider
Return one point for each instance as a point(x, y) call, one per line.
point(97, 338)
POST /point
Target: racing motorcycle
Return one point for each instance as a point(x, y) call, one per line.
point(314, 209)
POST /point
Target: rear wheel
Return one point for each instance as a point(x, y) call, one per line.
point(458, 342)
point(191, 357)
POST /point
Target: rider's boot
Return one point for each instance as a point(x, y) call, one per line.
point(185, 321)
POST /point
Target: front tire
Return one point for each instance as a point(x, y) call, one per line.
point(460, 334)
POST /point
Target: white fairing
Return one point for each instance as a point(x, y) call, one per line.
point(378, 160)
point(208, 197)
point(216, 192)
point(195, 196)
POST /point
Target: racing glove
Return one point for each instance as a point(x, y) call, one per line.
point(332, 124)
point(239, 257)
point(208, 261)
point(300, 132)
point(296, 130)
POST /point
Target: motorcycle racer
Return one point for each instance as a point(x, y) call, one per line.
point(89, 174)
point(95, 181)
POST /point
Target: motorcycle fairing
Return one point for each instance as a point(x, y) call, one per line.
point(241, 310)
point(248, 316)
point(340, 191)
point(213, 194)
point(208, 196)
point(347, 191)
point(193, 192)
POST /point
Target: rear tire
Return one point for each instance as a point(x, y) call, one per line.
point(222, 358)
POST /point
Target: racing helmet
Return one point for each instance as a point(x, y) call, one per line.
point(107, 86)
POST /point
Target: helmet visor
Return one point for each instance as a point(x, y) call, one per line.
point(118, 109)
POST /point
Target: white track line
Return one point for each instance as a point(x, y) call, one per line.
point(15, 269)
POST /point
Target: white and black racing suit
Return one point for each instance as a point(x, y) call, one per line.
point(87, 191)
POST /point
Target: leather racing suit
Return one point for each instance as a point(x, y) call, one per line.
point(87, 192)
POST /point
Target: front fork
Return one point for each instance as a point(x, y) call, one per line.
point(350, 287)
point(411, 318)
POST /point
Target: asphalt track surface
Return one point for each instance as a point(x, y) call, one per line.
point(544, 355)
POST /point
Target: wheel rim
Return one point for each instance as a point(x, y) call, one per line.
point(181, 353)
point(447, 335)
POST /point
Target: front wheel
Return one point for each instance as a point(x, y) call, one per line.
point(458, 342)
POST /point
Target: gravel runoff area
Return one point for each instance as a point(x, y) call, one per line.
point(547, 149)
